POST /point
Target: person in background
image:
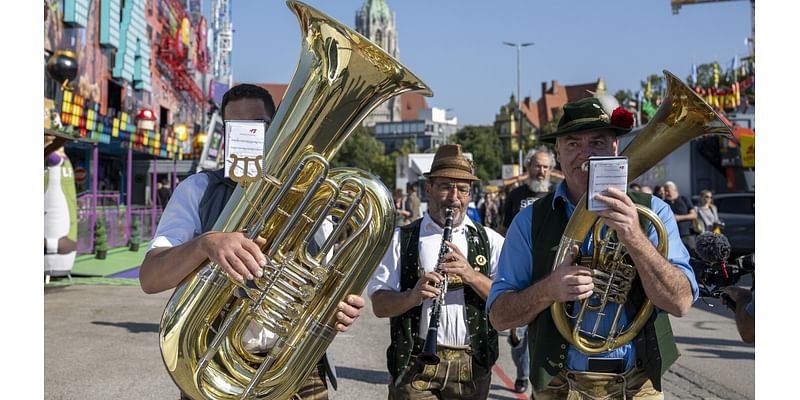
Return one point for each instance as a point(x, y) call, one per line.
point(164, 193)
point(400, 207)
point(646, 189)
point(684, 212)
point(745, 310)
point(412, 203)
point(501, 203)
point(707, 216)
point(488, 209)
point(541, 162)
point(659, 192)
point(635, 187)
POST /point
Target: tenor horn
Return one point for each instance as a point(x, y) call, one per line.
point(340, 77)
point(682, 116)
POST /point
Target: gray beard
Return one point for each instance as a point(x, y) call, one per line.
point(538, 186)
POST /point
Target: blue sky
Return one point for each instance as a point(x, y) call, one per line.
point(456, 46)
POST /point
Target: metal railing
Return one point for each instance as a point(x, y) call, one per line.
point(112, 213)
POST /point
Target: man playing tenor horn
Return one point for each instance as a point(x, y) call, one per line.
point(526, 285)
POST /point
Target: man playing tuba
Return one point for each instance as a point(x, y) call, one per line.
point(526, 284)
point(184, 238)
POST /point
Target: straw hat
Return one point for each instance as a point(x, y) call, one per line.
point(449, 162)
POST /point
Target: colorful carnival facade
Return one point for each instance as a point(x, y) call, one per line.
point(124, 99)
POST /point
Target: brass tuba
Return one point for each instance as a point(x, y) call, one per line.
point(340, 78)
point(682, 116)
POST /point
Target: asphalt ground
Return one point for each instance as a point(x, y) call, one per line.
point(101, 342)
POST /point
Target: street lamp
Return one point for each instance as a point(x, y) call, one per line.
point(519, 102)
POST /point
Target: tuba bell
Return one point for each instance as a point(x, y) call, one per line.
point(682, 116)
point(340, 77)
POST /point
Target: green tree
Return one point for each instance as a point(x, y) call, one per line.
point(387, 163)
point(705, 76)
point(655, 86)
point(483, 143)
point(362, 150)
point(623, 96)
point(136, 234)
point(100, 238)
point(409, 146)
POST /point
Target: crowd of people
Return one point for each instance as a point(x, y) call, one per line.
point(497, 263)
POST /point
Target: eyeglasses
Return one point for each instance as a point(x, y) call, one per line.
point(445, 188)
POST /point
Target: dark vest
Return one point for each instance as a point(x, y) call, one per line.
point(405, 328)
point(655, 344)
point(215, 197)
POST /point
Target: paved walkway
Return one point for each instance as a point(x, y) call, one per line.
point(101, 342)
point(120, 267)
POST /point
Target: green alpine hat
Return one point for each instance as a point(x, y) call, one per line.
point(588, 114)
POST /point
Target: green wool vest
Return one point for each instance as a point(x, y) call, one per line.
point(655, 344)
point(405, 327)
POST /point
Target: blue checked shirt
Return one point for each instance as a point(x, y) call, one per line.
point(514, 272)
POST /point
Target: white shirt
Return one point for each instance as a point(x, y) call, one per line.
point(452, 321)
point(180, 221)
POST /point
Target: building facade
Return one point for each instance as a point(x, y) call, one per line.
point(534, 115)
point(430, 130)
point(376, 22)
point(135, 99)
point(507, 127)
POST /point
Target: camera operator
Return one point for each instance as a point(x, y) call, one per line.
point(745, 309)
point(710, 266)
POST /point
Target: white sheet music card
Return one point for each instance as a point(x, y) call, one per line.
point(605, 172)
point(244, 141)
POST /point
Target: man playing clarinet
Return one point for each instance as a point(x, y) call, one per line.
point(409, 281)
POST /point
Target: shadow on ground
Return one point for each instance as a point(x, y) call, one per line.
point(133, 327)
point(363, 375)
point(501, 396)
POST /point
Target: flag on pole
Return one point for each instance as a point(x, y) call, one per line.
point(694, 75)
point(639, 107)
point(647, 90)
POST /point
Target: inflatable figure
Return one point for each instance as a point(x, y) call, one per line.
point(60, 215)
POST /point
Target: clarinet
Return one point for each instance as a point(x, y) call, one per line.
point(428, 355)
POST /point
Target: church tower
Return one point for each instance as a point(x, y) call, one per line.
point(376, 22)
